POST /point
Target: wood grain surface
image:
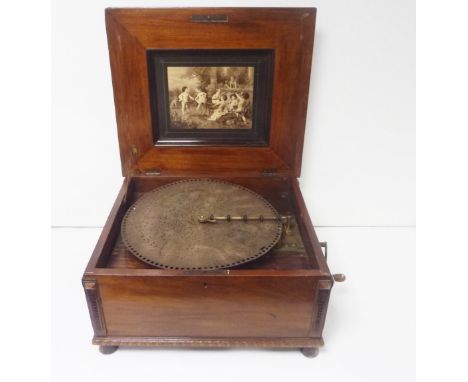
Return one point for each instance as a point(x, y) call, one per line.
point(279, 300)
point(288, 31)
point(207, 306)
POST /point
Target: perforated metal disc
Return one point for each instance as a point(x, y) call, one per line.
point(162, 227)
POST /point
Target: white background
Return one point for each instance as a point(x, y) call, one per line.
point(442, 208)
point(357, 178)
point(359, 161)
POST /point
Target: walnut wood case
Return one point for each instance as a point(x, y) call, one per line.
point(279, 300)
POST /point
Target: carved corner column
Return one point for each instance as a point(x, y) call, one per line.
point(323, 296)
point(93, 299)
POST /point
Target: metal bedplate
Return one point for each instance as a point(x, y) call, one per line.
point(162, 228)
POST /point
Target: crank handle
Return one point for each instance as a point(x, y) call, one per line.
point(339, 277)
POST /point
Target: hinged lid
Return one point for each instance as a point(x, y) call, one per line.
point(259, 58)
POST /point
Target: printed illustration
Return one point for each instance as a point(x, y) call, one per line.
point(210, 97)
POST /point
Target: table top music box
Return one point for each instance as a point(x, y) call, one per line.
point(209, 242)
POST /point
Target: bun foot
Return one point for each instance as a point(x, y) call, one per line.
point(107, 349)
point(310, 352)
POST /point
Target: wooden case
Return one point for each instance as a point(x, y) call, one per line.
point(279, 300)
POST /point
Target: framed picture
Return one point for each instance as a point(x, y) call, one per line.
point(211, 96)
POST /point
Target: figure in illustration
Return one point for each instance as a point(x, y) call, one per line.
point(243, 106)
point(216, 98)
point(232, 83)
point(233, 102)
point(185, 98)
point(221, 110)
point(201, 99)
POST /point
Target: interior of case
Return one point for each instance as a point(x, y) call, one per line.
point(294, 252)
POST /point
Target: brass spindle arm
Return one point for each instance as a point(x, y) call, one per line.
point(285, 219)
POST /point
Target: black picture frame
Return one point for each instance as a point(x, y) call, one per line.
point(262, 60)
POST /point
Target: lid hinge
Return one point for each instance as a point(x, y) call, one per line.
point(269, 172)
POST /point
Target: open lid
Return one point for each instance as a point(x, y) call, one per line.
point(202, 90)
